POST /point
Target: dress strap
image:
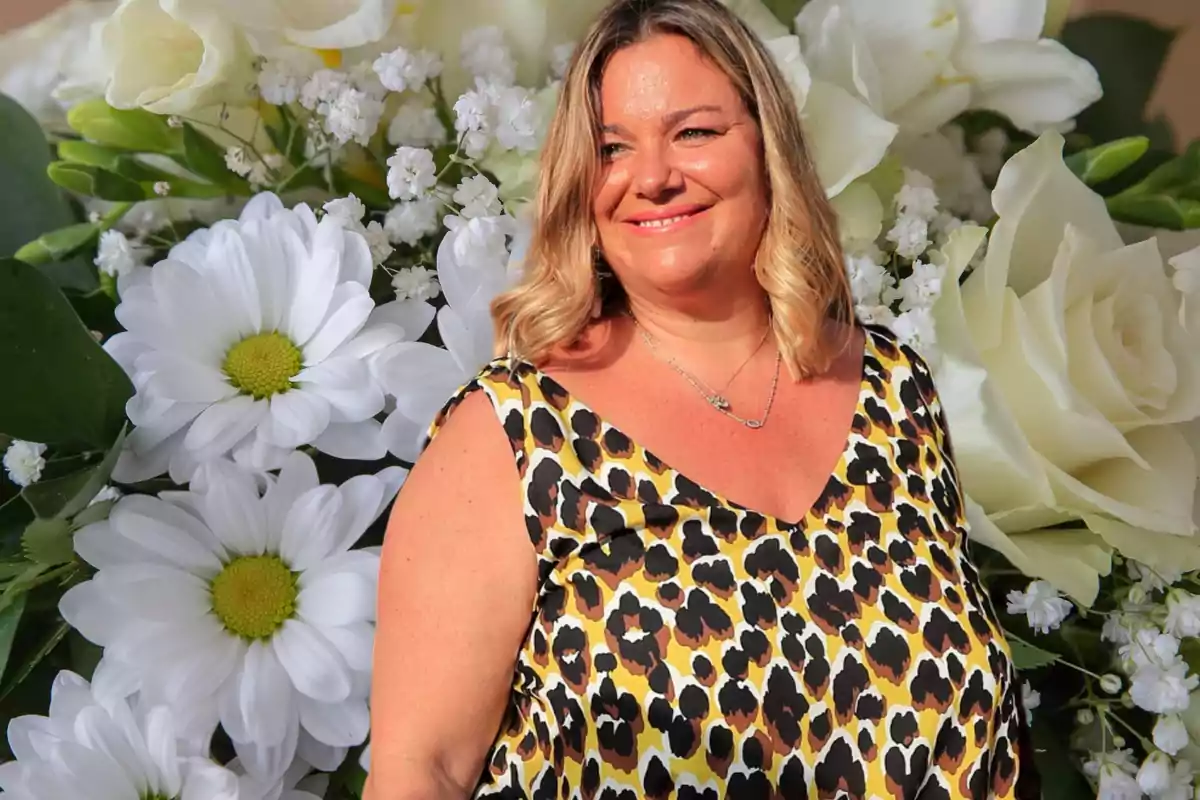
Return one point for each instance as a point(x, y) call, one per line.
point(504, 381)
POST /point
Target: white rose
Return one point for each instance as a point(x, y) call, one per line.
point(531, 28)
point(922, 62)
point(175, 56)
point(846, 137)
point(51, 62)
point(316, 24)
point(1066, 377)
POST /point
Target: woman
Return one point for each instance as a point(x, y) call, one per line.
point(729, 560)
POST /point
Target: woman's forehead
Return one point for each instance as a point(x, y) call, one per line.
point(663, 75)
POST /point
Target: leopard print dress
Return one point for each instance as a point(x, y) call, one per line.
point(684, 646)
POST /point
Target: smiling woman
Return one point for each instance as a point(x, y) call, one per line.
point(750, 590)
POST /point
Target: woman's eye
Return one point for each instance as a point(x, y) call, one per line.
point(610, 149)
point(697, 133)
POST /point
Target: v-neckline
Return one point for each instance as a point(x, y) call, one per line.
point(720, 498)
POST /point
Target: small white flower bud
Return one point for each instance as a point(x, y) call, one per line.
point(1085, 716)
point(1111, 684)
point(1137, 594)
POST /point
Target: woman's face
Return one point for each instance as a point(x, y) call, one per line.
point(681, 200)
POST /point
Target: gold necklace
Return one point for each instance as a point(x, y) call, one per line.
point(715, 399)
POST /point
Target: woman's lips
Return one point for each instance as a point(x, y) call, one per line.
point(669, 224)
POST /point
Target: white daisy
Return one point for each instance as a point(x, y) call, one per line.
point(474, 264)
point(243, 607)
point(105, 750)
point(252, 338)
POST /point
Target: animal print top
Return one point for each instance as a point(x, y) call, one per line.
point(684, 646)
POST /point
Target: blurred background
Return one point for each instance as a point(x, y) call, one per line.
point(1177, 95)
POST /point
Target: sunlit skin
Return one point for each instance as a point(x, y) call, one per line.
point(679, 149)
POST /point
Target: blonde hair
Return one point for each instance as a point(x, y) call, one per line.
point(799, 262)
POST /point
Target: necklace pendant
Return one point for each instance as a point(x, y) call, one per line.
point(719, 402)
point(754, 423)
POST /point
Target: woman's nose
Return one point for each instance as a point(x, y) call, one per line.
point(655, 173)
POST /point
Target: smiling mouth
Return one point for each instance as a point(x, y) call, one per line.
point(665, 223)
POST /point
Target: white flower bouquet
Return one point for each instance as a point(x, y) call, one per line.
point(246, 270)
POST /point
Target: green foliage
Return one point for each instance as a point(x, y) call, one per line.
point(1026, 656)
point(66, 496)
point(128, 129)
point(1128, 53)
point(58, 244)
point(1106, 161)
point(206, 158)
point(60, 385)
point(31, 205)
point(96, 182)
point(10, 618)
point(785, 10)
point(1168, 197)
point(48, 542)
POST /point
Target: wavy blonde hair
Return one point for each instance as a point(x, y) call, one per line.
point(799, 261)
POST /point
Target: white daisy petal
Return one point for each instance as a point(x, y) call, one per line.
point(343, 724)
point(312, 528)
point(316, 669)
point(402, 435)
point(233, 280)
point(163, 749)
point(236, 515)
point(185, 380)
point(354, 441)
point(296, 418)
point(348, 387)
point(265, 695)
point(322, 756)
point(363, 498)
point(355, 641)
point(338, 599)
point(91, 613)
point(348, 311)
point(160, 594)
point(297, 476)
point(168, 532)
point(222, 425)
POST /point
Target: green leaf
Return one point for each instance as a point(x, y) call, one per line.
point(1026, 656)
point(1128, 52)
point(785, 10)
point(30, 204)
point(48, 541)
point(1061, 779)
point(1101, 163)
point(206, 158)
point(44, 648)
point(19, 585)
point(65, 497)
point(1157, 211)
point(130, 129)
point(112, 159)
point(59, 244)
point(95, 182)
point(10, 618)
point(59, 384)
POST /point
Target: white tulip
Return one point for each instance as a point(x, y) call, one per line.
point(922, 62)
point(198, 58)
point(1066, 375)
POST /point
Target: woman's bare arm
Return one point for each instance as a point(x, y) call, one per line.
point(456, 590)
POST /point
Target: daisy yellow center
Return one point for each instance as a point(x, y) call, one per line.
point(254, 595)
point(263, 364)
